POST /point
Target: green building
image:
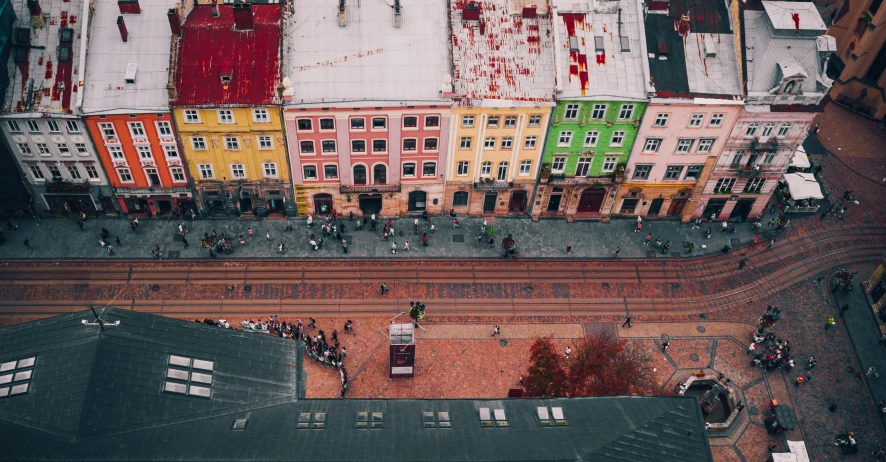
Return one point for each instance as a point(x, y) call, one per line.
point(602, 96)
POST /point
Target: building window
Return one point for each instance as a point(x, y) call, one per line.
point(358, 146)
point(379, 145)
point(330, 172)
point(696, 120)
point(485, 168)
point(91, 171)
point(430, 144)
point(409, 169)
point(198, 143)
point(432, 121)
point(591, 139)
point(136, 129)
point(25, 149)
point(558, 165)
point(571, 112)
point(583, 167)
point(37, 172)
point(534, 120)
point(460, 198)
point(73, 126)
point(736, 158)
point(206, 172)
point(265, 142)
point(705, 145)
point(754, 185)
point(410, 144)
point(304, 125)
point(54, 172)
point(784, 129)
point(310, 172)
point(358, 123)
point(507, 142)
point(565, 139)
point(502, 171)
point(525, 167)
point(661, 120)
point(327, 123)
point(462, 169)
point(144, 152)
point(125, 175)
point(467, 121)
point(768, 127)
point(641, 172)
point(33, 126)
point(116, 152)
point(108, 131)
point(238, 171)
point(63, 149)
point(684, 145)
point(492, 122)
point(673, 172)
point(328, 145)
point(306, 147)
point(693, 172)
point(225, 116)
point(529, 143)
point(489, 143)
point(429, 169)
point(465, 142)
point(192, 116)
point(618, 139)
point(609, 164)
point(724, 185)
point(232, 143)
point(261, 116)
point(43, 149)
point(189, 376)
point(769, 158)
point(652, 145)
point(164, 128)
point(81, 148)
point(178, 174)
point(599, 111)
point(379, 123)
point(626, 112)
point(74, 172)
point(752, 129)
point(13, 126)
point(510, 121)
point(270, 169)
point(53, 126)
point(717, 120)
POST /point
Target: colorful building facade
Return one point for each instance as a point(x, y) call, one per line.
point(126, 107)
point(503, 96)
point(602, 88)
point(226, 109)
point(367, 120)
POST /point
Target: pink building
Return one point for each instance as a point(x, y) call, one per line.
point(367, 122)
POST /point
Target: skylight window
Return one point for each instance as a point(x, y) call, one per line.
point(305, 422)
point(544, 417)
point(15, 376)
point(189, 376)
point(362, 420)
point(378, 420)
point(240, 424)
point(436, 420)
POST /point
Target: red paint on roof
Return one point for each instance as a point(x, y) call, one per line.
point(571, 20)
point(208, 42)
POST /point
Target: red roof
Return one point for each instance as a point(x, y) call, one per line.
point(210, 47)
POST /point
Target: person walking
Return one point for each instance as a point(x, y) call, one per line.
point(281, 249)
point(497, 331)
point(639, 227)
point(133, 226)
point(454, 223)
point(627, 322)
point(288, 226)
point(424, 239)
point(665, 345)
point(648, 238)
point(268, 236)
point(830, 322)
point(110, 251)
point(567, 352)
point(27, 243)
point(666, 247)
point(249, 232)
point(80, 225)
point(313, 243)
point(708, 233)
point(568, 248)
point(185, 242)
point(391, 229)
point(741, 264)
point(383, 287)
point(119, 244)
point(406, 246)
point(658, 241)
point(344, 245)
point(479, 240)
point(617, 250)
point(415, 226)
point(724, 226)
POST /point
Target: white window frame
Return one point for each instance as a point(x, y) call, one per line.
point(696, 120)
point(705, 145)
point(599, 111)
point(525, 168)
point(14, 127)
point(571, 111)
point(564, 139)
point(81, 148)
point(502, 175)
point(530, 142)
point(74, 172)
point(43, 149)
point(737, 157)
point(534, 120)
point(125, 175)
point(238, 171)
point(618, 139)
point(206, 171)
point(116, 153)
point(758, 182)
point(652, 145)
point(72, 126)
point(261, 116)
point(54, 171)
point(467, 121)
point(178, 174)
point(305, 176)
point(53, 126)
point(558, 164)
point(661, 120)
point(136, 129)
point(143, 150)
point(489, 142)
point(769, 158)
point(783, 130)
point(63, 149)
point(627, 111)
point(91, 171)
point(198, 143)
point(164, 128)
point(510, 121)
point(492, 121)
point(264, 141)
point(33, 126)
point(591, 139)
point(586, 163)
point(684, 145)
point(232, 143)
point(768, 128)
point(728, 182)
point(716, 119)
point(108, 130)
point(462, 168)
point(192, 116)
point(465, 142)
point(225, 116)
point(751, 130)
point(410, 165)
point(34, 170)
point(486, 168)
point(424, 165)
point(507, 142)
point(25, 149)
point(609, 163)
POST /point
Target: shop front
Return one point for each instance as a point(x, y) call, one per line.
point(137, 202)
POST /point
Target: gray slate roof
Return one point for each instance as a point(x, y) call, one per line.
point(767, 48)
point(97, 396)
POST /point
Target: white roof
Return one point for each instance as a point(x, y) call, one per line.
point(799, 159)
point(766, 53)
point(803, 186)
point(797, 453)
point(368, 59)
point(109, 56)
point(715, 75)
point(512, 59)
point(782, 16)
point(620, 74)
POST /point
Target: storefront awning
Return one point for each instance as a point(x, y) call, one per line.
point(800, 160)
point(803, 186)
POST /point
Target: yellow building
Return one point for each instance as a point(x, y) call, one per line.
point(494, 158)
point(227, 110)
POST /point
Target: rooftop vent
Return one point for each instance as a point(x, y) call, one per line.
point(342, 19)
point(573, 43)
point(625, 43)
point(662, 50)
point(227, 71)
point(131, 69)
point(66, 35)
point(243, 17)
point(397, 14)
point(471, 11)
point(63, 53)
point(129, 6)
point(710, 46)
point(598, 44)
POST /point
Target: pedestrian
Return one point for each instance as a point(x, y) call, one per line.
point(433, 228)
point(110, 251)
point(627, 322)
point(648, 238)
point(708, 233)
point(242, 241)
point(799, 380)
point(135, 220)
point(454, 223)
point(658, 241)
point(80, 225)
point(567, 352)
point(313, 243)
point(28, 244)
point(872, 373)
point(268, 236)
point(184, 242)
point(119, 244)
point(249, 232)
point(740, 406)
point(193, 215)
point(812, 363)
point(289, 225)
point(617, 250)
point(406, 246)
point(101, 241)
point(666, 247)
point(424, 239)
point(415, 226)
point(391, 229)
point(568, 248)
point(724, 226)
point(521, 380)
point(830, 322)
point(383, 287)
point(312, 322)
point(133, 226)
point(281, 249)
point(756, 238)
point(497, 331)
point(344, 245)
point(741, 264)
point(665, 345)
point(479, 240)
point(771, 243)
point(639, 227)
point(490, 242)
point(725, 249)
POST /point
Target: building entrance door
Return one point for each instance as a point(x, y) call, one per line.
point(489, 202)
point(518, 202)
point(591, 200)
point(655, 207)
point(370, 203)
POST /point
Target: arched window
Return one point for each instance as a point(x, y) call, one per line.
point(359, 174)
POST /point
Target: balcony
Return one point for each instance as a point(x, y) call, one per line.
point(369, 188)
point(491, 185)
point(765, 145)
point(557, 180)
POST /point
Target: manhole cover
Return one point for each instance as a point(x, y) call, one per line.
point(735, 242)
point(458, 238)
point(650, 253)
point(606, 285)
point(700, 329)
point(173, 254)
point(693, 357)
point(752, 410)
point(665, 337)
point(503, 342)
point(177, 238)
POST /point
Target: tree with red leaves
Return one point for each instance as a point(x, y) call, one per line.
point(600, 365)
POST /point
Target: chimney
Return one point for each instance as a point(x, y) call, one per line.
point(397, 18)
point(215, 13)
point(342, 20)
point(471, 11)
point(129, 6)
point(243, 17)
point(122, 26)
point(36, 13)
point(175, 23)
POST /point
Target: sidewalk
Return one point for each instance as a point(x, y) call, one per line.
point(61, 239)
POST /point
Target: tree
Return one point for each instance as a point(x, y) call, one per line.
point(600, 365)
